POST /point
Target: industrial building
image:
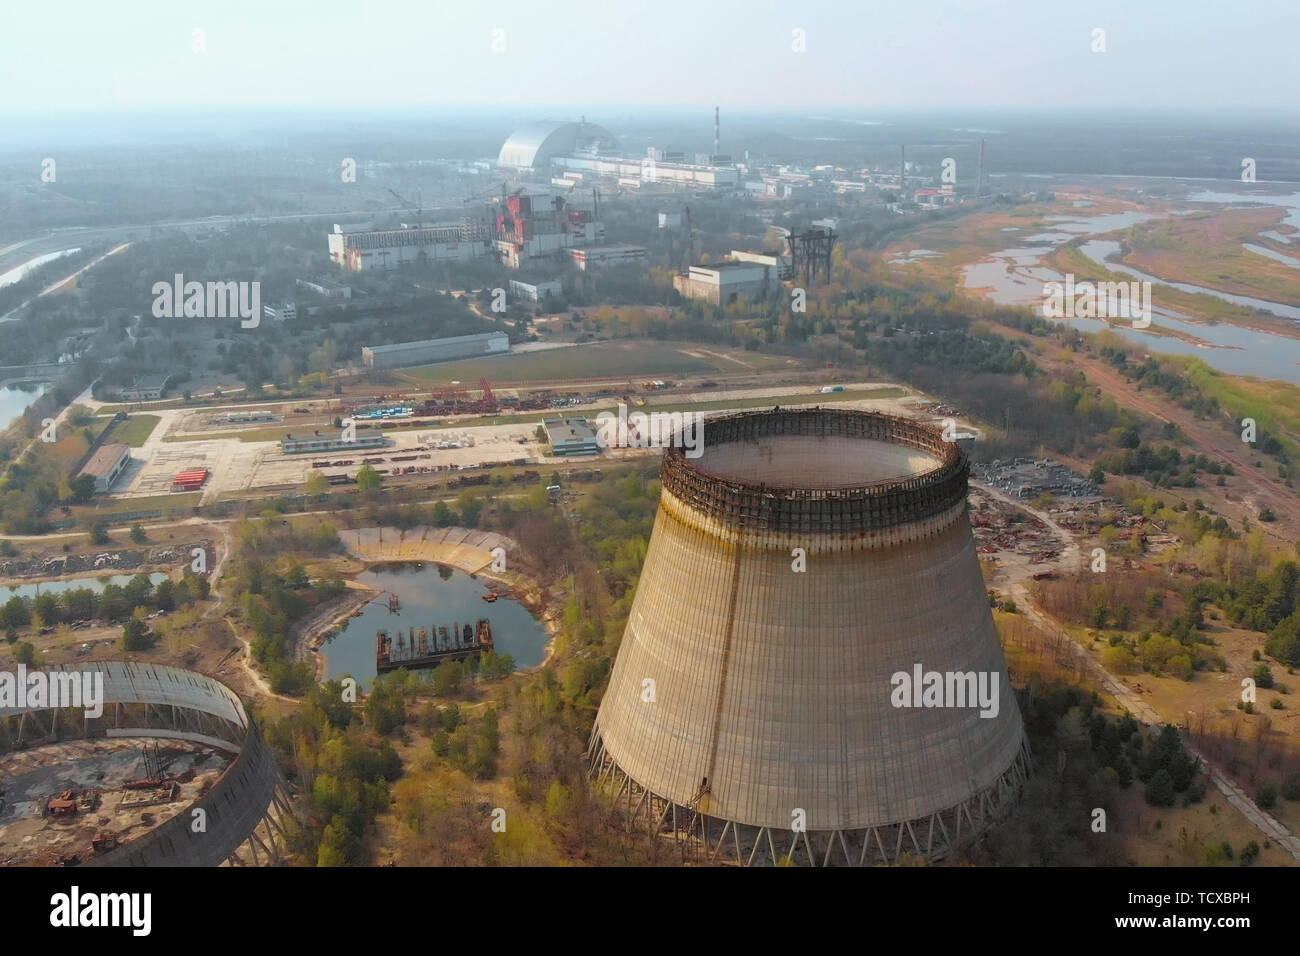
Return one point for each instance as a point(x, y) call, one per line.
point(779, 264)
point(145, 388)
point(106, 464)
point(280, 313)
point(299, 446)
point(615, 254)
point(330, 290)
point(359, 251)
point(403, 354)
point(571, 436)
point(777, 730)
point(529, 231)
point(728, 282)
point(648, 171)
point(535, 291)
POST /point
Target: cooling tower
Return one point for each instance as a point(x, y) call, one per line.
point(756, 709)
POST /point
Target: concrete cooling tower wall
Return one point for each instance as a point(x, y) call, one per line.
point(243, 814)
point(758, 708)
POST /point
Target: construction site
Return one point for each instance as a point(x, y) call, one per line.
point(409, 435)
point(125, 788)
point(1031, 477)
point(72, 802)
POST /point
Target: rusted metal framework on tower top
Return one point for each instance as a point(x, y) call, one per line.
point(877, 506)
point(810, 253)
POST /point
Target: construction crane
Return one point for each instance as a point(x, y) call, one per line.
point(491, 195)
point(418, 209)
point(689, 253)
point(489, 400)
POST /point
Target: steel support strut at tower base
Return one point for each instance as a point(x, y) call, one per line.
point(701, 838)
point(797, 567)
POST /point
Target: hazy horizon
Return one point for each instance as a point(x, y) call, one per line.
point(589, 56)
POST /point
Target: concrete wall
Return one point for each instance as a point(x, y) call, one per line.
point(776, 685)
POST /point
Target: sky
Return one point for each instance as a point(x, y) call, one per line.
point(852, 56)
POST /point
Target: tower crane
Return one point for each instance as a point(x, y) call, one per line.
point(689, 252)
point(418, 209)
point(489, 195)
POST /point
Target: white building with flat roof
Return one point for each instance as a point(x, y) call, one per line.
point(389, 248)
point(727, 282)
point(780, 263)
point(106, 464)
point(536, 291)
point(617, 254)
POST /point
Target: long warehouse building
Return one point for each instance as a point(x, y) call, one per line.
point(403, 354)
point(385, 249)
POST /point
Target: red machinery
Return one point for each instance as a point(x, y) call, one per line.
point(191, 480)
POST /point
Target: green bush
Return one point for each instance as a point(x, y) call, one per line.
point(1160, 790)
point(1291, 786)
point(1266, 796)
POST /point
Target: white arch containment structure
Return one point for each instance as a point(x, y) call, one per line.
point(245, 809)
point(533, 145)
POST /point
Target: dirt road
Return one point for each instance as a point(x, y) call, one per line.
point(1015, 580)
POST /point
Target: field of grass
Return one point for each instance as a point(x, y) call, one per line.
point(1196, 306)
point(967, 239)
point(1206, 249)
point(818, 397)
point(598, 360)
point(108, 507)
point(884, 392)
point(1274, 405)
point(135, 431)
point(1146, 836)
point(1188, 836)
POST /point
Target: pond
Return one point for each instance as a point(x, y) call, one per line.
point(14, 400)
point(431, 595)
point(71, 584)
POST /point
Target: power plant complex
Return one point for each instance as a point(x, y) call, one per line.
point(810, 670)
point(524, 229)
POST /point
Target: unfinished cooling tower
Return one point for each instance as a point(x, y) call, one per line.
point(757, 711)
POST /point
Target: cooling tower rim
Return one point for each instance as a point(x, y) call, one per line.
point(871, 506)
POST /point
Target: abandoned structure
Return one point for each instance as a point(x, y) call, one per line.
point(796, 569)
point(244, 812)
